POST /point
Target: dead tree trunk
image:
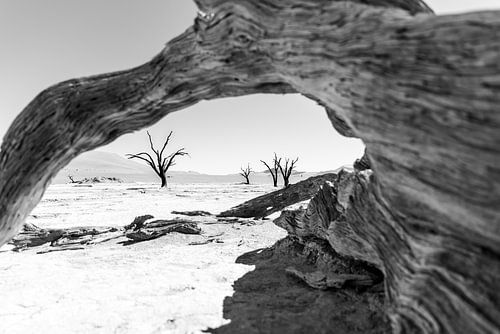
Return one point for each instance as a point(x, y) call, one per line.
point(421, 91)
point(245, 172)
point(163, 179)
point(287, 170)
point(273, 171)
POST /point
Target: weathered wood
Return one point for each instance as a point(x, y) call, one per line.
point(159, 228)
point(269, 300)
point(138, 222)
point(60, 249)
point(421, 91)
point(323, 281)
point(33, 236)
point(267, 204)
point(325, 218)
point(208, 239)
point(354, 219)
point(95, 179)
point(194, 213)
point(363, 163)
point(141, 229)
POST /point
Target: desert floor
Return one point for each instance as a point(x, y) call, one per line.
point(158, 286)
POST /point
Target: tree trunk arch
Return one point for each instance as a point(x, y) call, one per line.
point(421, 91)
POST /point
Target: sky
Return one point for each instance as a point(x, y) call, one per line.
point(45, 42)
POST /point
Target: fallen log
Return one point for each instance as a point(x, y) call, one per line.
point(207, 241)
point(59, 249)
point(192, 213)
point(158, 228)
point(141, 229)
point(267, 204)
point(33, 236)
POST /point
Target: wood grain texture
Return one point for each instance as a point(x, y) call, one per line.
point(452, 290)
point(326, 218)
point(421, 91)
point(143, 228)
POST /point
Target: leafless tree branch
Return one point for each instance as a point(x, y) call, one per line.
point(273, 172)
point(286, 172)
point(162, 164)
point(171, 157)
point(245, 172)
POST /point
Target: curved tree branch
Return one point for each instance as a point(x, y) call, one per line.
point(165, 144)
point(171, 159)
point(151, 144)
point(274, 173)
point(149, 160)
point(287, 171)
point(81, 114)
point(421, 91)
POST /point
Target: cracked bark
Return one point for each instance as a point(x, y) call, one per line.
point(421, 91)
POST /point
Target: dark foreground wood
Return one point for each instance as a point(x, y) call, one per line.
point(421, 91)
point(275, 201)
point(270, 299)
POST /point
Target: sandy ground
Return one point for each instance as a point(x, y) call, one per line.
point(160, 286)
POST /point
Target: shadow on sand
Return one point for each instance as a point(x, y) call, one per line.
point(268, 300)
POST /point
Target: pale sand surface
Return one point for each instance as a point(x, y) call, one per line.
point(160, 286)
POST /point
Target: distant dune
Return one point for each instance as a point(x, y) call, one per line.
point(104, 164)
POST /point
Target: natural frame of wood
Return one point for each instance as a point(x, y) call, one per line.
point(421, 91)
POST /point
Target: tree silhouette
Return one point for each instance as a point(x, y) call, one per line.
point(246, 173)
point(161, 164)
point(286, 171)
point(274, 170)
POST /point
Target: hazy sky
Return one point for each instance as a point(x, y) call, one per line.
point(44, 42)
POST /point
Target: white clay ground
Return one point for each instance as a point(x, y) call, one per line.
point(159, 286)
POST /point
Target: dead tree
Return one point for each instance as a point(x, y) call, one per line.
point(273, 171)
point(287, 170)
point(159, 164)
point(245, 172)
point(422, 92)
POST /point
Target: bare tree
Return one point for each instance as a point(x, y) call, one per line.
point(274, 170)
point(286, 171)
point(161, 164)
point(245, 172)
point(389, 72)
